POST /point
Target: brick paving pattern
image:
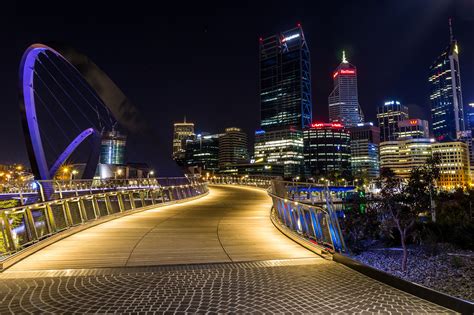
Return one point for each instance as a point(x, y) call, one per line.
point(292, 286)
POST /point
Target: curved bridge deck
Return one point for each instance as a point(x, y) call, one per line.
point(222, 254)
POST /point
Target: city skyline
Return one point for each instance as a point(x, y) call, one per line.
point(224, 111)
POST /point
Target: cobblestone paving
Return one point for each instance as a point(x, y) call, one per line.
point(291, 286)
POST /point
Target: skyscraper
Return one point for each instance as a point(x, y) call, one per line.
point(344, 101)
point(388, 116)
point(470, 116)
point(232, 148)
point(112, 148)
point(365, 140)
point(285, 81)
point(281, 147)
point(285, 100)
point(327, 150)
point(447, 112)
point(413, 128)
point(182, 131)
point(202, 153)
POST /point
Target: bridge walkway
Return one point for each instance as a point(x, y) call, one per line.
point(218, 254)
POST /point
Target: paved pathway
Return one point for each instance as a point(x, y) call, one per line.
point(220, 253)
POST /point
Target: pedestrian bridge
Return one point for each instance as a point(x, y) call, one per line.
point(218, 253)
point(230, 224)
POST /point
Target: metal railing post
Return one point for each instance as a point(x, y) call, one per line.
point(7, 231)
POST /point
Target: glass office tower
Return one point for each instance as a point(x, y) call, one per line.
point(447, 111)
point(343, 101)
point(285, 81)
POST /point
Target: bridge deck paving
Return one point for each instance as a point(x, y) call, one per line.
point(216, 254)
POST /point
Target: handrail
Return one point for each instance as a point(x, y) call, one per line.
point(299, 213)
point(24, 225)
point(43, 190)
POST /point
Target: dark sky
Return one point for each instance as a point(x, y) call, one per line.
point(201, 59)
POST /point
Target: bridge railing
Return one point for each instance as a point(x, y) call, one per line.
point(29, 192)
point(245, 180)
point(303, 208)
point(298, 208)
point(25, 225)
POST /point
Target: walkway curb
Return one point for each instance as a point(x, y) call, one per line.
point(20, 255)
point(433, 296)
point(448, 301)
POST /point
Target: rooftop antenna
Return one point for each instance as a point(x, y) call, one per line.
point(344, 60)
point(451, 36)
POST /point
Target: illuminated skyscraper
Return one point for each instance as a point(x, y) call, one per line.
point(344, 105)
point(327, 150)
point(285, 81)
point(112, 149)
point(413, 128)
point(388, 116)
point(232, 148)
point(365, 140)
point(281, 147)
point(470, 116)
point(182, 131)
point(447, 112)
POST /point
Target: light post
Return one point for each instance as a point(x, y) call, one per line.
point(151, 173)
point(73, 174)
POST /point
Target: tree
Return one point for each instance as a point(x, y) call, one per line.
point(403, 203)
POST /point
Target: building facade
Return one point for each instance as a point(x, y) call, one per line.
point(281, 147)
point(470, 116)
point(327, 150)
point(232, 148)
point(404, 155)
point(413, 128)
point(388, 116)
point(285, 81)
point(454, 165)
point(112, 148)
point(343, 101)
point(447, 110)
point(365, 141)
point(181, 132)
point(202, 154)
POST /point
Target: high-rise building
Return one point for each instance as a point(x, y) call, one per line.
point(447, 112)
point(327, 150)
point(454, 164)
point(203, 153)
point(232, 148)
point(413, 128)
point(466, 137)
point(344, 105)
point(182, 131)
point(112, 148)
point(470, 116)
point(280, 147)
point(388, 116)
point(402, 156)
point(365, 140)
point(285, 81)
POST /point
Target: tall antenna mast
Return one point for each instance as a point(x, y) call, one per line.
point(451, 36)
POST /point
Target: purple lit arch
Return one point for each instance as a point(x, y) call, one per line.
point(31, 130)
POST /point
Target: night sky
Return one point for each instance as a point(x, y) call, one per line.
point(200, 60)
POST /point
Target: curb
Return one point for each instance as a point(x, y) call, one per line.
point(433, 296)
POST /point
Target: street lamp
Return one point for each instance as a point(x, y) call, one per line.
point(151, 173)
point(74, 173)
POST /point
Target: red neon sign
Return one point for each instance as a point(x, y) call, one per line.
point(344, 71)
point(321, 125)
